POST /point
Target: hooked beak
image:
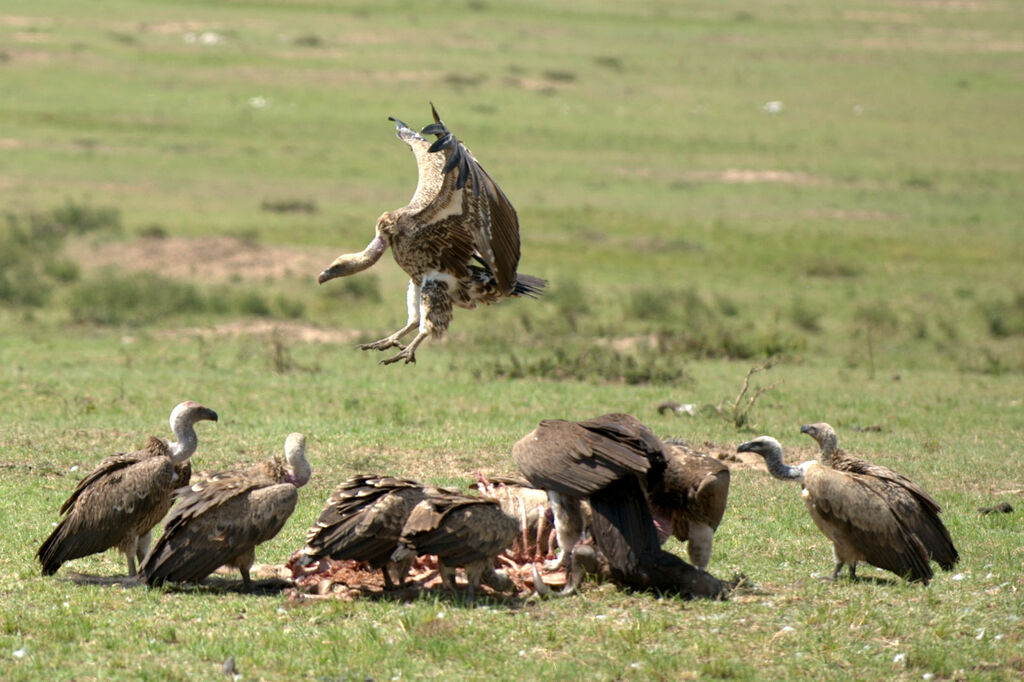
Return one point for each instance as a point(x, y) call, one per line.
point(351, 263)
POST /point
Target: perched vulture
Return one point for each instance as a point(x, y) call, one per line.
point(690, 493)
point(916, 508)
point(462, 530)
point(457, 239)
point(363, 520)
point(220, 520)
point(612, 460)
point(121, 500)
point(859, 513)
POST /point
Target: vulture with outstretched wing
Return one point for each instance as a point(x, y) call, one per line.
point(457, 239)
point(220, 520)
point(120, 501)
point(615, 462)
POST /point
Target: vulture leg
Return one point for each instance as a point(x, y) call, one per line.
point(474, 573)
point(246, 582)
point(435, 316)
point(412, 298)
point(698, 546)
point(142, 545)
point(568, 526)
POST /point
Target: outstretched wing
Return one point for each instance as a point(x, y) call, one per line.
point(571, 459)
point(468, 201)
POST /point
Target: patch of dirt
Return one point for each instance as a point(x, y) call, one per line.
point(215, 259)
point(287, 331)
point(729, 176)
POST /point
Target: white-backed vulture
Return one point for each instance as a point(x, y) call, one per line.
point(457, 239)
point(363, 520)
point(610, 460)
point(220, 520)
point(856, 511)
point(916, 508)
point(127, 494)
point(463, 531)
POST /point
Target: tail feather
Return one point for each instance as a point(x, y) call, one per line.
point(528, 285)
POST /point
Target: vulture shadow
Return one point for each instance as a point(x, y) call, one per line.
point(413, 593)
point(102, 580)
point(262, 587)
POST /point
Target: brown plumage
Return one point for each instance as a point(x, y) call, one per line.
point(222, 519)
point(457, 239)
point(857, 512)
point(363, 520)
point(614, 461)
point(915, 508)
point(118, 503)
point(691, 494)
point(463, 531)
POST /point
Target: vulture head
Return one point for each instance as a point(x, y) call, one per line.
point(295, 455)
point(351, 263)
point(183, 419)
point(771, 450)
point(824, 434)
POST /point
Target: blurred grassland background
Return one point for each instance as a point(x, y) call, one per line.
point(705, 185)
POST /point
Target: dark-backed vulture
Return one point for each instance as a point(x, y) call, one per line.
point(856, 511)
point(463, 531)
point(612, 460)
point(916, 508)
point(127, 494)
point(691, 493)
point(363, 520)
point(220, 520)
point(457, 239)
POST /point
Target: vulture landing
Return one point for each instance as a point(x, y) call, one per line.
point(457, 239)
point(463, 531)
point(615, 462)
point(363, 520)
point(220, 520)
point(857, 512)
point(127, 494)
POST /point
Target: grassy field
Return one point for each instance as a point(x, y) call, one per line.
point(836, 186)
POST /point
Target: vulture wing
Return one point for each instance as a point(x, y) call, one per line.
point(126, 494)
point(853, 510)
point(909, 502)
point(363, 519)
point(574, 460)
point(468, 203)
point(207, 536)
point(459, 529)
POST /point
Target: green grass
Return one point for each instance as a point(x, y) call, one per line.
point(867, 235)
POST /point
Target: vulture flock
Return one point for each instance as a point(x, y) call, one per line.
point(596, 497)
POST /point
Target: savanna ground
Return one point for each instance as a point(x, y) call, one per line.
point(834, 186)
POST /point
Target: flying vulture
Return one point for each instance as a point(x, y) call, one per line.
point(457, 239)
point(220, 520)
point(127, 494)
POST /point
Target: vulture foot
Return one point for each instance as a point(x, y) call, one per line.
point(383, 344)
point(407, 354)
